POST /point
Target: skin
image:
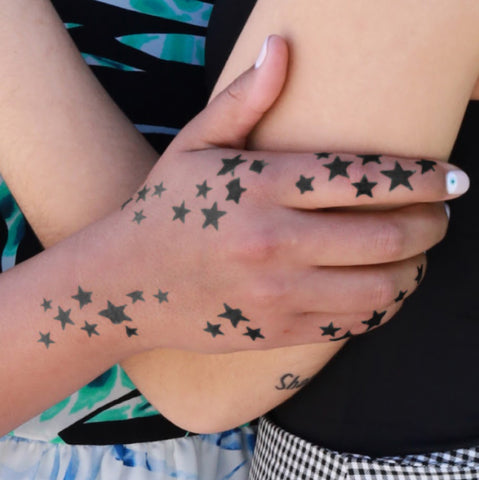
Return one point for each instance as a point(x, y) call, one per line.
point(118, 233)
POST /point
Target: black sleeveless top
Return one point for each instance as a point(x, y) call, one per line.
point(410, 386)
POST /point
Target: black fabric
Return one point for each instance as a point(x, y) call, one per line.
point(410, 386)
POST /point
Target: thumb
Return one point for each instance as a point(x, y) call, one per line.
point(233, 113)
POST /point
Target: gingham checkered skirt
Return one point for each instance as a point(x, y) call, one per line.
point(280, 455)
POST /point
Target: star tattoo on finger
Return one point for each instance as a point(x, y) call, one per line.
point(213, 329)
point(399, 176)
point(329, 330)
point(420, 274)
point(258, 165)
point(347, 335)
point(45, 339)
point(426, 166)
point(253, 333)
point(305, 184)
point(139, 217)
point(401, 296)
point(115, 314)
point(375, 320)
point(338, 167)
point(235, 190)
point(131, 332)
point(364, 187)
point(321, 155)
point(136, 296)
point(203, 189)
point(90, 329)
point(159, 189)
point(370, 159)
point(84, 298)
point(234, 315)
point(180, 212)
point(230, 164)
point(212, 215)
point(142, 194)
point(47, 305)
point(64, 317)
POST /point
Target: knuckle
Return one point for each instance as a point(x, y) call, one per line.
point(267, 294)
point(389, 242)
point(258, 247)
point(235, 91)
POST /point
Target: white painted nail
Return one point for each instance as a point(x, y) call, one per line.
point(457, 182)
point(448, 209)
point(262, 54)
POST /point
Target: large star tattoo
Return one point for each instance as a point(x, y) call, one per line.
point(212, 215)
point(131, 332)
point(253, 333)
point(115, 314)
point(161, 296)
point(159, 189)
point(139, 217)
point(329, 330)
point(370, 159)
point(235, 190)
point(142, 194)
point(84, 298)
point(64, 317)
point(203, 189)
point(229, 164)
point(136, 296)
point(180, 212)
point(375, 320)
point(305, 184)
point(257, 166)
point(420, 274)
point(234, 315)
point(399, 176)
point(45, 338)
point(47, 304)
point(337, 167)
point(213, 329)
point(90, 328)
point(426, 166)
point(364, 187)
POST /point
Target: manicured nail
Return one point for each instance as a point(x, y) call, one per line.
point(448, 209)
point(457, 182)
point(262, 54)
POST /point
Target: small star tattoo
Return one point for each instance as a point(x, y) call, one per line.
point(399, 176)
point(126, 203)
point(370, 159)
point(234, 315)
point(213, 329)
point(329, 330)
point(115, 314)
point(229, 164)
point(84, 298)
point(45, 338)
point(131, 332)
point(305, 184)
point(426, 166)
point(159, 189)
point(64, 317)
point(203, 189)
point(90, 328)
point(161, 296)
point(253, 333)
point(47, 304)
point(364, 187)
point(338, 167)
point(375, 320)
point(348, 334)
point(136, 296)
point(180, 212)
point(139, 217)
point(212, 215)
point(401, 296)
point(420, 274)
point(235, 190)
point(257, 166)
point(142, 194)
point(321, 155)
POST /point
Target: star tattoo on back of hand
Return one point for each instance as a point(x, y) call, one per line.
point(234, 315)
point(142, 194)
point(47, 304)
point(203, 189)
point(90, 329)
point(45, 339)
point(230, 164)
point(64, 317)
point(235, 190)
point(161, 296)
point(115, 314)
point(257, 166)
point(212, 215)
point(213, 329)
point(180, 212)
point(139, 217)
point(84, 298)
point(253, 333)
point(159, 189)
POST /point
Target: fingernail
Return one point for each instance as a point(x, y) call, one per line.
point(457, 182)
point(262, 54)
point(448, 210)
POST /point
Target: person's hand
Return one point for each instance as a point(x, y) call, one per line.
point(251, 249)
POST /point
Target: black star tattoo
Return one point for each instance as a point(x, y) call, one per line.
point(370, 159)
point(84, 298)
point(253, 333)
point(212, 215)
point(401, 296)
point(47, 304)
point(115, 314)
point(90, 328)
point(203, 189)
point(321, 155)
point(142, 194)
point(348, 334)
point(426, 166)
point(235, 190)
point(399, 176)
point(329, 330)
point(338, 167)
point(375, 320)
point(213, 329)
point(364, 187)
point(45, 338)
point(229, 164)
point(159, 189)
point(161, 296)
point(139, 217)
point(420, 274)
point(126, 203)
point(180, 212)
point(234, 315)
point(305, 184)
point(64, 317)
point(131, 332)
point(257, 166)
point(136, 296)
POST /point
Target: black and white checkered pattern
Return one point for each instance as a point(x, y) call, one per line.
point(280, 455)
